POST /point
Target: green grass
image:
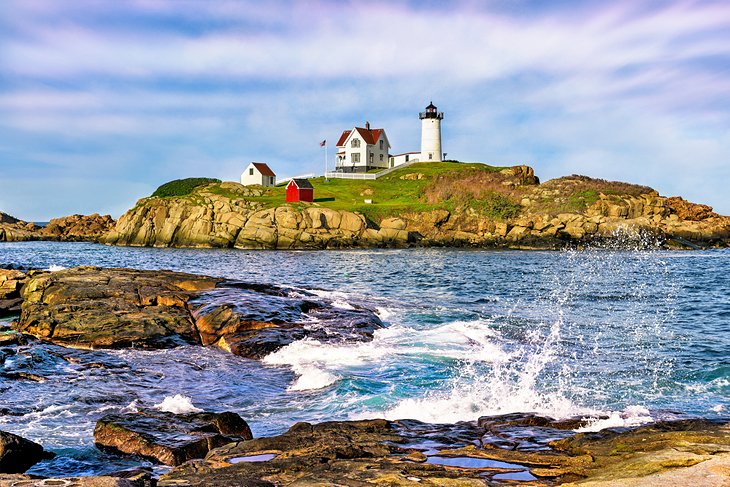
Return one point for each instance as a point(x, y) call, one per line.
point(390, 194)
point(182, 187)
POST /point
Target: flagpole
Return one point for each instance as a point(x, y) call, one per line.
point(325, 160)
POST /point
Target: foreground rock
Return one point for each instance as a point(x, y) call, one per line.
point(123, 480)
point(18, 454)
point(336, 453)
point(169, 438)
point(91, 307)
point(379, 452)
point(111, 308)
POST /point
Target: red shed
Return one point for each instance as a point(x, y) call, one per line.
point(299, 190)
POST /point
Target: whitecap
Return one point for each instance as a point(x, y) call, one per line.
point(631, 416)
point(178, 404)
point(55, 268)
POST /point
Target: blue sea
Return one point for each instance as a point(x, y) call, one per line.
point(621, 337)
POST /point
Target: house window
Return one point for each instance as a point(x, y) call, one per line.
point(250, 172)
point(430, 156)
point(355, 157)
point(355, 143)
point(381, 146)
point(271, 180)
point(371, 157)
point(381, 157)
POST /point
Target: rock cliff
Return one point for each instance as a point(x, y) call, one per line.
point(509, 208)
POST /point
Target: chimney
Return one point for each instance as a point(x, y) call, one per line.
point(367, 125)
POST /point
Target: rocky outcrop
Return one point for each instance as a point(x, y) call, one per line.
point(73, 228)
point(11, 281)
point(254, 320)
point(91, 307)
point(565, 212)
point(169, 438)
point(218, 221)
point(78, 227)
point(94, 307)
point(14, 230)
point(18, 454)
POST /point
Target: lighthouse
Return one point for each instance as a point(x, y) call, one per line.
point(431, 133)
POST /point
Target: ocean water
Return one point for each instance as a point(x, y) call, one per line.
point(621, 337)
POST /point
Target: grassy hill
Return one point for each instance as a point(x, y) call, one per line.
point(494, 192)
point(404, 190)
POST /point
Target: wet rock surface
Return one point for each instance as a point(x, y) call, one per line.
point(334, 453)
point(111, 308)
point(169, 438)
point(91, 307)
point(18, 454)
point(253, 320)
point(379, 452)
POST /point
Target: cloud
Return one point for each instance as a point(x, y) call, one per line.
point(630, 91)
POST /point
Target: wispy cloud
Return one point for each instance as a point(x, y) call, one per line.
point(626, 90)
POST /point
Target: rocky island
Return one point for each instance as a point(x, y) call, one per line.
point(422, 205)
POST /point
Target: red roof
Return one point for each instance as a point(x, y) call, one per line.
point(370, 136)
point(263, 169)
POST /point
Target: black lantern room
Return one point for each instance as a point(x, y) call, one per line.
point(431, 112)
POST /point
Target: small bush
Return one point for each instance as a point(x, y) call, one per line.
point(496, 206)
point(182, 187)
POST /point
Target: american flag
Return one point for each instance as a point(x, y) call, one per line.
point(323, 143)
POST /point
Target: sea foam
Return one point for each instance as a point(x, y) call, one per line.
point(178, 404)
point(318, 365)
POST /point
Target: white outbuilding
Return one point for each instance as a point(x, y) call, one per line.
point(258, 173)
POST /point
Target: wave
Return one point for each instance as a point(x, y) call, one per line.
point(177, 404)
point(629, 417)
point(318, 365)
point(508, 384)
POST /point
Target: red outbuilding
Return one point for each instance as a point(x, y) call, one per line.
point(299, 190)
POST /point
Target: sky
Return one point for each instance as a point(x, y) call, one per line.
point(103, 101)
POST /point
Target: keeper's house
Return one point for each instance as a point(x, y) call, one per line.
point(258, 173)
point(362, 149)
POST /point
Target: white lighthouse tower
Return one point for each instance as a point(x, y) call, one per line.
point(431, 133)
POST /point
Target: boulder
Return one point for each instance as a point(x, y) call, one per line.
point(78, 227)
point(253, 320)
point(91, 307)
point(18, 454)
point(689, 211)
point(110, 308)
point(169, 438)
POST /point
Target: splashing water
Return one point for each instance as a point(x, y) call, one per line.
point(177, 404)
point(617, 337)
